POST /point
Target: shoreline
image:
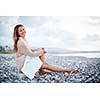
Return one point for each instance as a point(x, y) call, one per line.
point(87, 55)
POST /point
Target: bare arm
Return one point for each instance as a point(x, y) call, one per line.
point(34, 50)
point(23, 48)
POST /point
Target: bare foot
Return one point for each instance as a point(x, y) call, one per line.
point(72, 70)
point(41, 71)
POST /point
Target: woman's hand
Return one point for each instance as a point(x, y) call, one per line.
point(44, 50)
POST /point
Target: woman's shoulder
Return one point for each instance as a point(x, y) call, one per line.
point(20, 42)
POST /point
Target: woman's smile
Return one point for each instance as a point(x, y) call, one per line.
point(21, 31)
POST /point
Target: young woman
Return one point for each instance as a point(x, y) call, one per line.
point(22, 50)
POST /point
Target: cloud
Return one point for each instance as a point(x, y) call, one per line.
point(94, 37)
point(74, 32)
point(8, 20)
point(35, 21)
point(94, 20)
point(50, 26)
point(6, 23)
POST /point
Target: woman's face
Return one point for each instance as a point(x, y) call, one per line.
point(21, 31)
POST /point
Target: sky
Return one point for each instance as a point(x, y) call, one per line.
point(69, 32)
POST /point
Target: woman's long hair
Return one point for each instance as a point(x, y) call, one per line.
point(16, 36)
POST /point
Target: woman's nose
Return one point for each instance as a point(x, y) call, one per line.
point(23, 31)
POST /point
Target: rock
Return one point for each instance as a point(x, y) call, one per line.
point(89, 70)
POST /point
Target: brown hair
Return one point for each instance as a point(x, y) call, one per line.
point(16, 36)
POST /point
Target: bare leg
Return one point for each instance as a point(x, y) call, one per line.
point(42, 58)
point(57, 69)
point(41, 70)
point(54, 68)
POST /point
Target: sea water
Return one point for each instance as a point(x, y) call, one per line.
point(89, 55)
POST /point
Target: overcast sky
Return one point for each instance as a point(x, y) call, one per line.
point(70, 32)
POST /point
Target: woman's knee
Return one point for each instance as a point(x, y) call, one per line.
point(43, 55)
point(44, 65)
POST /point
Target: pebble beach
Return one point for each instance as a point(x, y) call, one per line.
point(89, 70)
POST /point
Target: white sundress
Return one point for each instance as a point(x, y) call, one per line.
point(31, 65)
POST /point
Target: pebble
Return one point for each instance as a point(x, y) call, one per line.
point(89, 70)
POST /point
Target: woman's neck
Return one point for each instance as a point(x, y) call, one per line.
point(22, 37)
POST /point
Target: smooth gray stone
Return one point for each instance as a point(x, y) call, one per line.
point(89, 70)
